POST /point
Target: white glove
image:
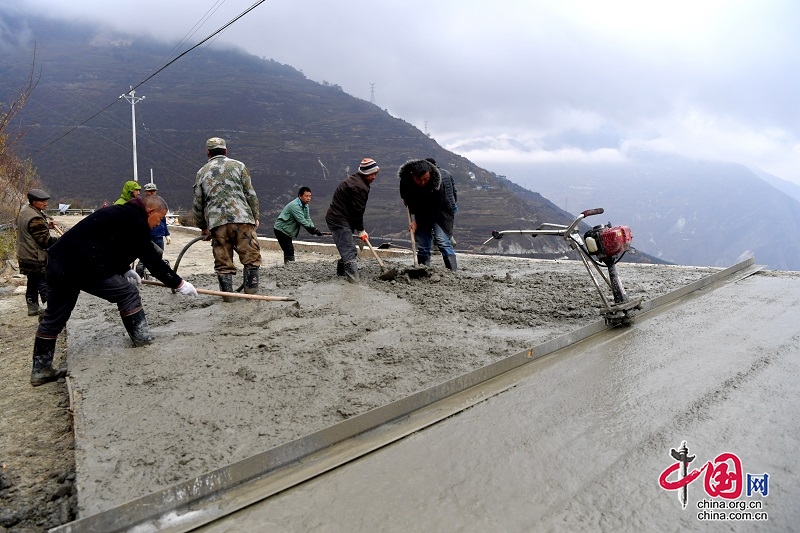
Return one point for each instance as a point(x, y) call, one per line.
point(133, 277)
point(169, 241)
point(187, 289)
point(363, 235)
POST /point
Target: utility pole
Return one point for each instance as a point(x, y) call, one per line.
point(133, 100)
point(371, 93)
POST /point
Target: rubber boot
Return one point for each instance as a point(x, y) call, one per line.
point(424, 259)
point(33, 306)
point(351, 272)
point(43, 371)
point(339, 268)
point(251, 280)
point(138, 329)
point(226, 285)
point(450, 261)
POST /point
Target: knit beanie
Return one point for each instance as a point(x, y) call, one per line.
point(368, 166)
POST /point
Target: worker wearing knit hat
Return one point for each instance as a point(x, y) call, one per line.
point(346, 215)
point(368, 166)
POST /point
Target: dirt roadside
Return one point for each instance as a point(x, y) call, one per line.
point(36, 439)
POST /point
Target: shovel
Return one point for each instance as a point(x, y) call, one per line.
point(388, 245)
point(417, 271)
point(386, 275)
point(229, 294)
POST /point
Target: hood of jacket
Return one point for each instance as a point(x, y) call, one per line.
point(407, 186)
point(128, 188)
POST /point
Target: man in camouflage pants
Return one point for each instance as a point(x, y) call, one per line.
point(226, 210)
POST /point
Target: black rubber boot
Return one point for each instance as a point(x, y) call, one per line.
point(226, 285)
point(351, 272)
point(424, 259)
point(288, 259)
point(33, 306)
point(339, 268)
point(43, 371)
point(251, 280)
point(138, 329)
point(450, 261)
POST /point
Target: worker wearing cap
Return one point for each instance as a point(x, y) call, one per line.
point(33, 240)
point(346, 215)
point(226, 210)
point(160, 234)
point(130, 190)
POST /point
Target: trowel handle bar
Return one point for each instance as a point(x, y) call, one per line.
point(590, 212)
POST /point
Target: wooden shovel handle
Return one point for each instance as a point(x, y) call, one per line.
point(232, 294)
point(371, 249)
point(413, 244)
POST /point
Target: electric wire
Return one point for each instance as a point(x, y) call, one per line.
point(103, 110)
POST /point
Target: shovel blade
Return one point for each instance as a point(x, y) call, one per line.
point(388, 275)
point(416, 273)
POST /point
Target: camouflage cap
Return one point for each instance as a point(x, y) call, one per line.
point(150, 187)
point(215, 142)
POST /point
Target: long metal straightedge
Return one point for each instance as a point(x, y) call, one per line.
point(189, 505)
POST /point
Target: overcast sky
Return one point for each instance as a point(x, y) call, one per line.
point(505, 81)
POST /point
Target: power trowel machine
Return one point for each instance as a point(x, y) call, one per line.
point(601, 246)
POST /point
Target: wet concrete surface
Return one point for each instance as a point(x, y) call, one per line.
point(224, 382)
point(580, 443)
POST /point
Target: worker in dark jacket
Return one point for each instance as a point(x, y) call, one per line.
point(433, 206)
point(33, 239)
point(346, 215)
point(95, 257)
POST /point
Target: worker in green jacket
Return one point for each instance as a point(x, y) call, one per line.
point(294, 215)
point(130, 190)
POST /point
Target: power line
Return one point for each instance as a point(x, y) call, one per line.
point(217, 32)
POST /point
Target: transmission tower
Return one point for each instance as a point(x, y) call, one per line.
point(371, 93)
point(133, 100)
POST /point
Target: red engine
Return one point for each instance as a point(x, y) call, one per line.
point(607, 241)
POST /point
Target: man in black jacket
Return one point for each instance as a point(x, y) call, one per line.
point(432, 203)
point(346, 215)
point(95, 257)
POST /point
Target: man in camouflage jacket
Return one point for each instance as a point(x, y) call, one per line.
point(226, 210)
point(33, 239)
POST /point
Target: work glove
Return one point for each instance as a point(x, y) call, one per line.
point(363, 235)
point(133, 277)
point(169, 241)
point(187, 289)
point(317, 232)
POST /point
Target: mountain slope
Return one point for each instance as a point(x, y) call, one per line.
point(684, 211)
point(290, 132)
